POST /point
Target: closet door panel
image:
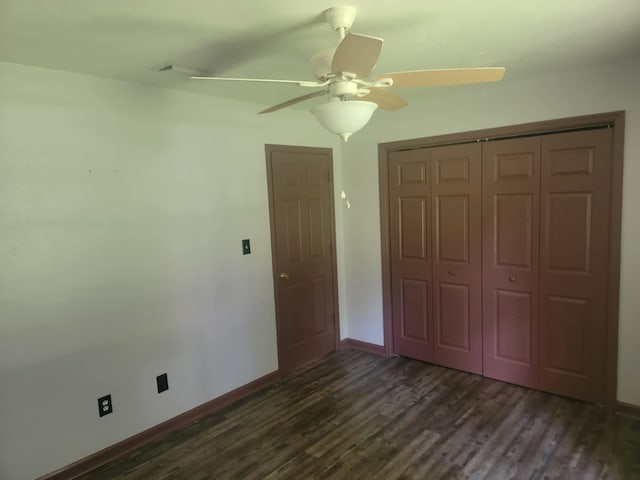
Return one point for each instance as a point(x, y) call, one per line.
point(574, 262)
point(510, 230)
point(409, 220)
point(457, 260)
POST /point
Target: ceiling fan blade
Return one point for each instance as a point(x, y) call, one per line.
point(293, 101)
point(448, 76)
point(356, 54)
point(301, 83)
point(384, 99)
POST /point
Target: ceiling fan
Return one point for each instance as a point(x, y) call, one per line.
point(343, 73)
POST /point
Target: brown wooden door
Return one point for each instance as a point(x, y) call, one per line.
point(550, 253)
point(457, 256)
point(410, 241)
point(511, 195)
point(302, 219)
point(576, 170)
point(435, 219)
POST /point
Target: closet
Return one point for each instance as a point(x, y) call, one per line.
point(499, 257)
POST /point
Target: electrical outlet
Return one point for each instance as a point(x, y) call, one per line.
point(163, 382)
point(105, 407)
point(246, 247)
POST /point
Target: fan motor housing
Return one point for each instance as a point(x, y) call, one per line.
point(342, 88)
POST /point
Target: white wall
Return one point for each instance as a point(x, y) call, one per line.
point(565, 94)
point(122, 210)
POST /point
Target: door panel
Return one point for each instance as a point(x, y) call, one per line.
point(457, 271)
point(454, 331)
point(568, 230)
point(291, 229)
point(568, 320)
point(409, 217)
point(302, 217)
point(513, 327)
point(452, 229)
point(513, 216)
point(414, 314)
point(511, 195)
point(574, 262)
point(293, 307)
point(317, 229)
point(412, 228)
point(322, 321)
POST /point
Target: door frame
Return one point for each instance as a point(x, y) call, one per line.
point(614, 120)
point(269, 149)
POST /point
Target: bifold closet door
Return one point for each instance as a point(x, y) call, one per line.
point(576, 171)
point(500, 258)
point(511, 197)
point(410, 240)
point(435, 237)
point(456, 177)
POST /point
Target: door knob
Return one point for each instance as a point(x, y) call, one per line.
point(512, 278)
point(452, 271)
point(284, 276)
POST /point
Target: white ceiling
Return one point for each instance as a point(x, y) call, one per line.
point(128, 39)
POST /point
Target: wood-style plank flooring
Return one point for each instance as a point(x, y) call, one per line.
point(361, 416)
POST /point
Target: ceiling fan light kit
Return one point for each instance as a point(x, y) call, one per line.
point(342, 73)
point(344, 118)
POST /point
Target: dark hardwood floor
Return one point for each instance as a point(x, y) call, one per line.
point(360, 416)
